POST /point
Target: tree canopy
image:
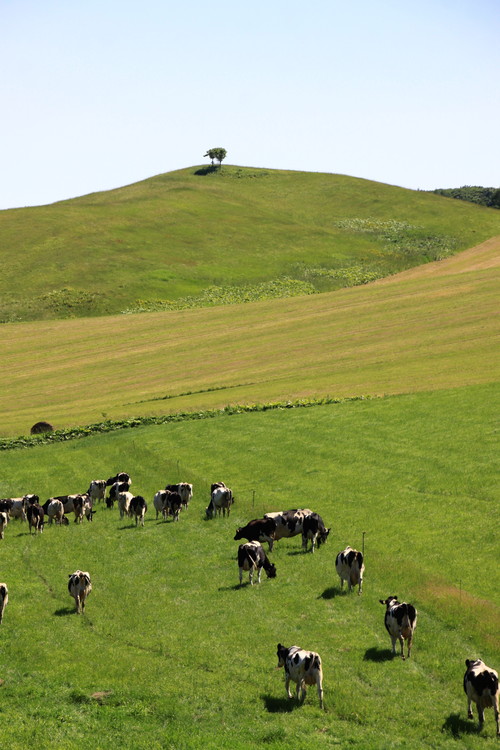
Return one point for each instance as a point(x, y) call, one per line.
point(216, 153)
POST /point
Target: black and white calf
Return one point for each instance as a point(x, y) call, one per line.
point(350, 567)
point(313, 530)
point(4, 598)
point(137, 509)
point(221, 501)
point(303, 668)
point(481, 686)
point(252, 558)
point(79, 587)
point(400, 622)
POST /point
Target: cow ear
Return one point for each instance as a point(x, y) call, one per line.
point(381, 601)
point(467, 662)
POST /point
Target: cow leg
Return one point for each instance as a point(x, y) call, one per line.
point(301, 689)
point(287, 686)
point(470, 715)
point(259, 575)
point(410, 641)
point(360, 585)
point(394, 639)
point(320, 691)
point(480, 713)
point(402, 644)
point(497, 713)
point(341, 583)
point(241, 575)
point(349, 586)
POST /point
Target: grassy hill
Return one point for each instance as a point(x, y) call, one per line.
point(430, 328)
point(178, 234)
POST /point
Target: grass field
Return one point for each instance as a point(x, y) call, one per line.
point(177, 234)
point(435, 329)
point(171, 653)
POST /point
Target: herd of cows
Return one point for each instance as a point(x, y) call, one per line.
point(301, 667)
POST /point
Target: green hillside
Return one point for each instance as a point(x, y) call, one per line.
point(432, 327)
point(176, 235)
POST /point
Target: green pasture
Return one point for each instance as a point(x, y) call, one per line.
point(172, 653)
point(178, 235)
point(432, 330)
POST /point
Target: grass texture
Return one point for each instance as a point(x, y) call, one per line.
point(172, 653)
point(192, 237)
point(425, 329)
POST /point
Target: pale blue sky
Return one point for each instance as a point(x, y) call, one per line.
point(97, 94)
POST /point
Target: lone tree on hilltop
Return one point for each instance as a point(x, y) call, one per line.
point(216, 153)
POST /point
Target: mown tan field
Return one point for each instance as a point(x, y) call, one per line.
point(425, 329)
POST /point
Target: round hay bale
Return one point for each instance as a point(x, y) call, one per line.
point(40, 427)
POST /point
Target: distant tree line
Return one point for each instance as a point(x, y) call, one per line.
point(484, 196)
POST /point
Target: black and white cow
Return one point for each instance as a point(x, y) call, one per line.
point(4, 598)
point(400, 622)
point(97, 490)
point(184, 489)
point(350, 567)
point(252, 558)
point(36, 515)
point(313, 530)
point(288, 522)
point(221, 501)
point(82, 506)
point(303, 668)
point(137, 509)
point(4, 520)
point(481, 686)
point(54, 510)
point(79, 587)
point(117, 485)
point(15, 506)
point(258, 530)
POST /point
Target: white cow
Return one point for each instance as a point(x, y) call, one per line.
point(4, 520)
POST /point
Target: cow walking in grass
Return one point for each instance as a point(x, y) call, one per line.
point(79, 587)
point(400, 621)
point(303, 668)
point(252, 558)
point(481, 686)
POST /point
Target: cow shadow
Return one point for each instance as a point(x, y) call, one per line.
point(332, 592)
point(65, 611)
point(279, 705)
point(457, 726)
point(378, 654)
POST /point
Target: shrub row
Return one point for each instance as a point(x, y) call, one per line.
point(110, 425)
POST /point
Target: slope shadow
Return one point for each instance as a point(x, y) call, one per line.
point(457, 726)
point(279, 705)
point(378, 654)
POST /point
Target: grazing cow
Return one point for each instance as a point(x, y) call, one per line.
point(481, 686)
point(303, 668)
point(350, 567)
point(4, 520)
point(222, 499)
point(4, 599)
point(258, 530)
point(288, 523)
point(124, 497)
point(97, 490)
point(184, 489)
point(79, 587)
point(138, 508)
point(400, 622)
point(313, 530)
point(251, 557)
point(36, 516)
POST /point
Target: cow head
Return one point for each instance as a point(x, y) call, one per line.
point(209, 510)
point(389, 602)
point(323, 536)
point(271, 571)
point(281, 653)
